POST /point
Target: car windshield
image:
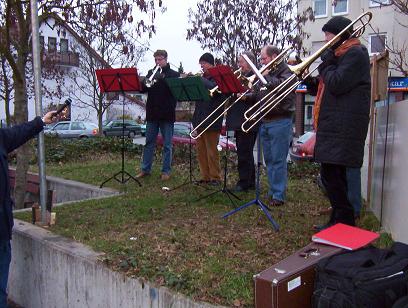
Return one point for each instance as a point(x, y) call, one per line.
point(61, 126)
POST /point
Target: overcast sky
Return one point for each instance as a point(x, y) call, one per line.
point(171, 35)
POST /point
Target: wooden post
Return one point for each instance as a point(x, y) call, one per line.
point(379, 89)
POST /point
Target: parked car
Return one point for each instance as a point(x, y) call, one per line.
point(296, 154)
point(143, 129)
point(74, 129)
point(115, 128)
point(48, 127)
point(182, 136)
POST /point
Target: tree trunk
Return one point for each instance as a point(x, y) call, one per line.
point(23, 153)
point(7, 91)
point(100, 123)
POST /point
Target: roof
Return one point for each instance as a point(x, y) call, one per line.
point(92, 51)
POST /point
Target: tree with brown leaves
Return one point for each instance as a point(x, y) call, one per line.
point(228, 27)
point(15, 45)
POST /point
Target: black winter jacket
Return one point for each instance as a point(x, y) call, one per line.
point(235, 115)
point(161, 105)
point(203, 109)
point(286, 107)
point(345, 108)
point(11, 139)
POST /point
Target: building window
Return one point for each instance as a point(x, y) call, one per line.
point(52, 44)
point(377, 43)
point(63, 45)
point(340, 7)
point(309, 112)
point(374, 3)
point(41, 42)
point(320, 8)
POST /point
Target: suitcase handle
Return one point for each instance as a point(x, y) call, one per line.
point(309, 252)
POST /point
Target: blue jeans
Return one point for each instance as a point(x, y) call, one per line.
point(354, 188)
point(275, 138)
point(152, 130)
point(5, 258)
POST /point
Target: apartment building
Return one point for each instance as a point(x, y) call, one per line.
point(385, 30)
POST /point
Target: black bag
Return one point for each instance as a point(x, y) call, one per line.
point(369, 277)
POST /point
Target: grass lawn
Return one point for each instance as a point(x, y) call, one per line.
point(171, 239)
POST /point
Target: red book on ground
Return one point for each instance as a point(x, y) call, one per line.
point(345, 236)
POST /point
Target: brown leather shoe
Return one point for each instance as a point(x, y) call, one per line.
point(275, 203)
point(142, 175)
point(165, 176)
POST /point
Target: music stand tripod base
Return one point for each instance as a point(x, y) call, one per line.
point(122, 180)
point(257, 200)
point(263, 207)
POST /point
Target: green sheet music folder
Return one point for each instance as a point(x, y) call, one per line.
point(188, 89)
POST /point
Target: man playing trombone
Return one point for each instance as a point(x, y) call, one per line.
point(245, 141)
point(341, 113)
point(276, 128)
point(207, 153)
point(160, 114)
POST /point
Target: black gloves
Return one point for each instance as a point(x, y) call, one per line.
point(328, 57)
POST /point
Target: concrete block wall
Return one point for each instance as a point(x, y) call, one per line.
point(48, 270)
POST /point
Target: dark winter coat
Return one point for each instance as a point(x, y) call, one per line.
point(235, 115)
point(11, 139)
point(345, 108)
point(203, 109)
point(286, 107)
point(161, 104)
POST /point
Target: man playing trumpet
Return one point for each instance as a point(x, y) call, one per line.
point(160, 114)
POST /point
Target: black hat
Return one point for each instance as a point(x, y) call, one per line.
point(207, 57)
point(337, 24)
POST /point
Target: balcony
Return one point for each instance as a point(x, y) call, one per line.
point(67, 58)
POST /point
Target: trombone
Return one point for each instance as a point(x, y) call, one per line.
point(273, 98)
point(250, 81)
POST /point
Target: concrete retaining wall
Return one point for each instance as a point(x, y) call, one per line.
point(48, 270)
point(67, 190)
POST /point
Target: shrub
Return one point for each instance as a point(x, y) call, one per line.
point(57, 149)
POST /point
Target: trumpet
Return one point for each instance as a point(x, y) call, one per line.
point(251, 82)
point(274, 97)
point(151, 80)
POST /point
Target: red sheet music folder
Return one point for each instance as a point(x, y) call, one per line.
point(226, 80)
point(118, 80)
point(345, 236)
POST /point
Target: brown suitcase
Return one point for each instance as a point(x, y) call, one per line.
point(289, 283)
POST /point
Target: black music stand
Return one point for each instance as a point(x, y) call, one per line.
point(119, 80)
point(228, 84)
point(188, 89)
point(257, 201)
